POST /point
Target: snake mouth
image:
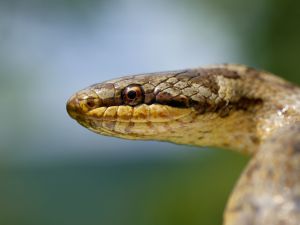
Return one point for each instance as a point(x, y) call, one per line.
point(138, 114)
point(131, 121)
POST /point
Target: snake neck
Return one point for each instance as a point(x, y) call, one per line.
point(279, 107)
point(261, 104)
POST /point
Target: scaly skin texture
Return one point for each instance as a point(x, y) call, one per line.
point(228, 106)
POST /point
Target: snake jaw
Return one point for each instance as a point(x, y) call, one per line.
point(131, 122)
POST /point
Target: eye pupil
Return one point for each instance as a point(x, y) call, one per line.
point(131, 95)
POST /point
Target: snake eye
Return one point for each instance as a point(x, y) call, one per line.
point(133, 95)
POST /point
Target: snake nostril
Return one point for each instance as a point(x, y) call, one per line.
point(90, 103)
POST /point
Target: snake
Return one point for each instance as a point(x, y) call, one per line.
point(229, 106)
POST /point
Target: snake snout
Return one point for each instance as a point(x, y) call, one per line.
point(72, 106)
point(82, 102)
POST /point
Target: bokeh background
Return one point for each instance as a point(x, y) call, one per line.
point(52, 171)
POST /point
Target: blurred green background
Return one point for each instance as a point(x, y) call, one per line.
point(52, 171)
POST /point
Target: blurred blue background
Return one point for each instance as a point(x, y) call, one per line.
point(53, 171)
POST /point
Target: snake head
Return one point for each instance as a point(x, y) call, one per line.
point(212, 106)
point(187, 106)
point(136, 107)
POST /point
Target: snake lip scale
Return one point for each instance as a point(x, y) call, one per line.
point(229, 106)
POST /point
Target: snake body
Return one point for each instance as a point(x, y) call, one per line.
point(229, 106)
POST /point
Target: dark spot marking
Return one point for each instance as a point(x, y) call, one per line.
point(177, 104)
point(180, 101)
point(163, 98)
point(222, 107)
point(208, 81)
point(245, 103)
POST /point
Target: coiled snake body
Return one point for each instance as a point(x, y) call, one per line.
point(228, 106)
